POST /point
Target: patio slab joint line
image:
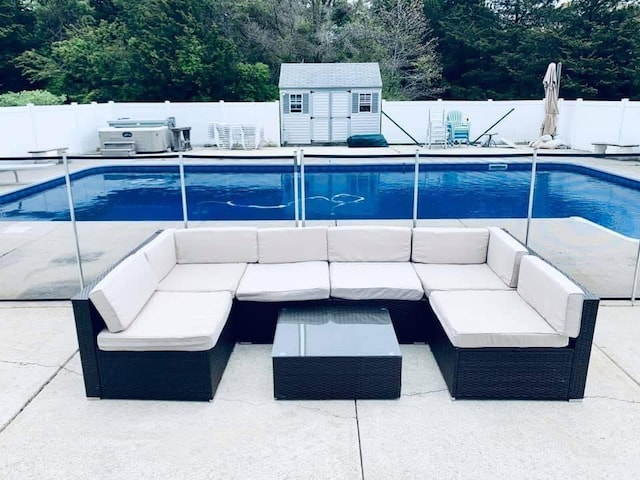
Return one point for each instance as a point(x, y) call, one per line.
point(427, 392)
point(606, 397)
point(42, 387)
point(617, 364)
point(359, 439)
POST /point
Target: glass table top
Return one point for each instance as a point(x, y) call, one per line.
point(335, 331)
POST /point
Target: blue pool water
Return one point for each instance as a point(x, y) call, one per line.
point(333, 192)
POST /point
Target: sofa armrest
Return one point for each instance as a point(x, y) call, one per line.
point(504, 254)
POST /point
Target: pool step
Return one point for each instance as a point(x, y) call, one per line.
point(119, 149)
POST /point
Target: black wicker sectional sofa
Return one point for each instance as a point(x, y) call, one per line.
point(501, 322)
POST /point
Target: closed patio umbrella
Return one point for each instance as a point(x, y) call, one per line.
point(551, 84)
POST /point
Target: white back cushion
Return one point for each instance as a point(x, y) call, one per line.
point(457, 245)
point(504, 255)
point(289, 245)
point(120, 295)
point(369, 244)
point(161, 253)
point(556, 298)
point(217, 245)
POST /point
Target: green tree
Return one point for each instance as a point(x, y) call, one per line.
point(600, 49)
point(407, 50)
point(16, 35)
point(252, 83)
point(467, 43)
point(91, 65)
point(53, 17)
point(158, 50)
point(501, 49)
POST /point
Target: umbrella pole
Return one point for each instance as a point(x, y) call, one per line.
point(558, 72)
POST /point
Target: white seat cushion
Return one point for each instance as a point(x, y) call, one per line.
point(369, 244)
point(173, 321)
point(552, 294)
point(457, 245)
point(375, 280)
point(280, 282)
point(479, 318)
point(203, 277)
point(458, 277)
point(161, 253)
point(291, 244)
point(120, 295)
point(217, 245)
point(504, 255)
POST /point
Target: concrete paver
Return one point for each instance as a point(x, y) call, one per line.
point(37, 340)
point(243, 433)
point(618, 336)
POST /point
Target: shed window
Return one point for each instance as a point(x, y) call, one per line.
point(295, 103)
point(365, 103)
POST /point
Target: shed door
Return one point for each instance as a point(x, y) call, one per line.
point(340, 116)
point(320, 102)
point(330, 114)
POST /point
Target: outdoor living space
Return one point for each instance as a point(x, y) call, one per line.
point(319, 240)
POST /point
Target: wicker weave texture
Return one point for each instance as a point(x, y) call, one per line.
point(324, 378)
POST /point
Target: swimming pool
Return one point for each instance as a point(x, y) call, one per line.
point(446, 190)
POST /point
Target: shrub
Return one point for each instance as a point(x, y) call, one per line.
point(37, 97)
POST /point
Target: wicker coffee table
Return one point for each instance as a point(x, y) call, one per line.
point(335, 352)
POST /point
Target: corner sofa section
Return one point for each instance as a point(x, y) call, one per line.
point(500, 322)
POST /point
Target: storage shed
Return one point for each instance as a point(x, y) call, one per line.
point(324, 103)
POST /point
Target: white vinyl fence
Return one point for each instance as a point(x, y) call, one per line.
point(75, 126)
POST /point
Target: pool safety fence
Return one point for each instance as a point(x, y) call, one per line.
point(76, 240)
point(532, 190)
point(183, 194)
point(298, 161)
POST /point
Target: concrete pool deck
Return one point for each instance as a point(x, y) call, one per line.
point(50, 430)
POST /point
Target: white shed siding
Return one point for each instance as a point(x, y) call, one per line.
point(296, 127)
point(365, 123)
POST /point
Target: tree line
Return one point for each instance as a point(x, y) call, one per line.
point(207, 50)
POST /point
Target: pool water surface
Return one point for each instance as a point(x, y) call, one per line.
point(333, 192)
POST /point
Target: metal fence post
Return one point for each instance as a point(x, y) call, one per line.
point(416, 178)
point(296, 205)
point(532, 188)
point(303, 199)
point(183, 192)
point(72, 214)
point(635, 277)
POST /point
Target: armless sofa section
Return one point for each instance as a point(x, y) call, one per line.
point(500, 322)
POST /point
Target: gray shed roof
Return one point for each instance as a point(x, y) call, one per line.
point(330, 75)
